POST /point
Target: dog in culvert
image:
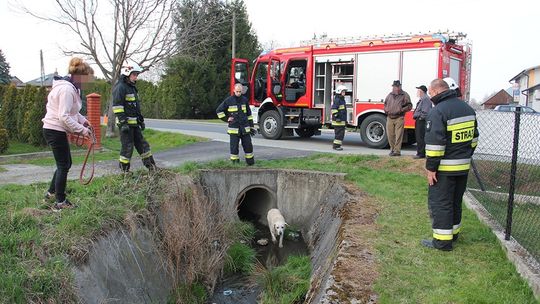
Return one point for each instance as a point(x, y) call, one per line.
point(276, 224)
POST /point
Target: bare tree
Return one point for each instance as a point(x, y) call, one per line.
point(111, 32)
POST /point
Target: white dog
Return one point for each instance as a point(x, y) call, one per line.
point(277, 224)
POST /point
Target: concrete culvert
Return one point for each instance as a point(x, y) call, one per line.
point(254, 202)
point(327, 212)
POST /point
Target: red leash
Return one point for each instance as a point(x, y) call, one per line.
point(79, 141)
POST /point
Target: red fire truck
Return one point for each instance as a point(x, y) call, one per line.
point(293, 88)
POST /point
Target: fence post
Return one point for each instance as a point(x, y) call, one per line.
point(513, 169)
point(93, 110)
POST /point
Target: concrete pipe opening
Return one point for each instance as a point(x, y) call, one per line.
point(254, 202)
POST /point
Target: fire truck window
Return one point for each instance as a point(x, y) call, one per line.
point(295, 80)
point(275, 76)
point(241, 73)
point(260, 81)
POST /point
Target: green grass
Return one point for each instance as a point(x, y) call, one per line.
point(240, 258)
point(477, 271)
point(159, 141)
point(495, 176)
point(240, 231)
point(16, 147)
point(286, 284)
point(192, 294)
point(35, 242)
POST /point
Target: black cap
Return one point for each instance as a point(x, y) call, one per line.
point(423, 88)
point(396, 83)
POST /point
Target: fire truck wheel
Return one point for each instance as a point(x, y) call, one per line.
point(271, 126)
point(373, 131)
point(305, 132)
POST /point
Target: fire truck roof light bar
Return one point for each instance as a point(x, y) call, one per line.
point(443, 36)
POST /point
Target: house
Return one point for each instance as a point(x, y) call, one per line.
point(16, 81)
point(526, 87)
point(499, 98)
point(46, 81)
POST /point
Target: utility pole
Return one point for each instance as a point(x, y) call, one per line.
point(42, 67)
point(233, 33)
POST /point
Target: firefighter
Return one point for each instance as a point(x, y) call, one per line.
point(127, 108)
point(339, 117)
point(235, 110)
point(451, 137)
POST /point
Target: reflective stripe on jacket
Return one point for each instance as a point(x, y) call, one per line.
point(126, 104)
point(451, 135)
point(237, 108)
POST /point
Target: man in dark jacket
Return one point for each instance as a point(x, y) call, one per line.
point(236, 111)
point(451, 137)
point(127, 109)
point(396, 104)
point(420, 113)
point(339, 117)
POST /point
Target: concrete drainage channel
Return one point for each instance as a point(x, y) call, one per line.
point(128, 267)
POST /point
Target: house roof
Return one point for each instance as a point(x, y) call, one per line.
point(523, 72)
point(47, 81)
point(488, 100)
point(16, 81)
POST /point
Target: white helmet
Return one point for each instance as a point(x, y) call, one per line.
point(452, 85)
point(128, 69)
point(340, 89)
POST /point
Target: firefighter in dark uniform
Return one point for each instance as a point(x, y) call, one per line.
point(451, 137)
point(339, 117)
point(235, 110)
point(129, 119)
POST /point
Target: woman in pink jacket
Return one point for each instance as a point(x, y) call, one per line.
point(62, 117)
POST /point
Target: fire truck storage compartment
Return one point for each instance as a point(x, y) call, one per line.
point(330, 72)
point(376, 71)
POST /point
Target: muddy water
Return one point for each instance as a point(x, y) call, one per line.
point(243, 289)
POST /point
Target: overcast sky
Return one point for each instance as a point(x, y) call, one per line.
point(504, 33)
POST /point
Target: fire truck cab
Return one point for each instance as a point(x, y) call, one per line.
point(293, 88)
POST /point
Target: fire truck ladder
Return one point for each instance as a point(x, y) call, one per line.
point(393, 38)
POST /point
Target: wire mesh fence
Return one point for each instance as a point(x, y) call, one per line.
point(506, 174)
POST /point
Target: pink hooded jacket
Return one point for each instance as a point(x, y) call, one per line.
point(63, 106)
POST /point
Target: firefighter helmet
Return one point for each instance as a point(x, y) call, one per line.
point(130, 68)
point(340, 89)
point(452, 85)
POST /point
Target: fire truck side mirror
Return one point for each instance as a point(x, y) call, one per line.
point(277, 89)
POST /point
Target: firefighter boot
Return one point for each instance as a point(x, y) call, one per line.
point(250, 161)
point(430, 244)
point(235, 161)
point(149, 163)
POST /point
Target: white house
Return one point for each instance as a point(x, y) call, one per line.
point(526, 86)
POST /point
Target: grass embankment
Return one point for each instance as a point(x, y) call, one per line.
point(159, 141)
point(477, 271)
point(37, 245)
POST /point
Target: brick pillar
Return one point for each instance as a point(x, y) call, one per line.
point(93, 112)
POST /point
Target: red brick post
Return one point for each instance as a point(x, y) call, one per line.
point(93, 112)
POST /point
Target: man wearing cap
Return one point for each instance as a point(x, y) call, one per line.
point(420, 113)
point(396, 104)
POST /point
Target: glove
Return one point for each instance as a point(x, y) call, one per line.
point(253, 132)
point(124, 128)
point(142, 125)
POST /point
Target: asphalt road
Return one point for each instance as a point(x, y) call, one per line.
point(352, 144)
